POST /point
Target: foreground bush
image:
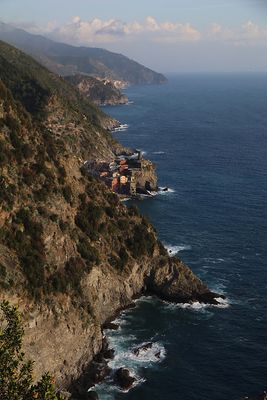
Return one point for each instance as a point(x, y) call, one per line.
point(16, 382)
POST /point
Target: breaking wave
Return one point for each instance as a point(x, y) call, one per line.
point(121, 128)
point(197, 306)
point(165, 190)
point(173, 250)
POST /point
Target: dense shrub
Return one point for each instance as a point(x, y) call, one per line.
point(133, 211)
point(110, 211)
point(29, 247)
point(67, 193)
point(3, 153)
point(142, 243)
point(89, 218)
point(112, 199)
point(7, 193)
point(63, 225)
point(88, 252)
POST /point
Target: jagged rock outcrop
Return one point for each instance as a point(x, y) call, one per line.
point(147, 176)
point(71, 255)
point(99, 91)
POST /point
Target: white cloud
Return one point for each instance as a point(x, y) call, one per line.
point(99, 31)
point(248, 34)
point(105, 31)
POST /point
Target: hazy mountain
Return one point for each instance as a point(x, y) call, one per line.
point(65, 59)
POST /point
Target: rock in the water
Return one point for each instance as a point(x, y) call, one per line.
point(92, 395)
point(143, 347)
point(109, 354)
point(111, 326)
point(123, 378)
point(100, 372)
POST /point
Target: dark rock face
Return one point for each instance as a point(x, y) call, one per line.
point(111, 326)
point(92, 395)
point(123, 379)
point(176, 283)
point(101, 371)
point(109, 354)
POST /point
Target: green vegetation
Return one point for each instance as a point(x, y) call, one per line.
point(142, 243)
point(32, 85)
point(16, 380)
point(57, 224)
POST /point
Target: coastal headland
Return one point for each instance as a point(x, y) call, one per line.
point(71, 254)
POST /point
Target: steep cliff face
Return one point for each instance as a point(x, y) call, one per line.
point(71, 255)
point(147, 176)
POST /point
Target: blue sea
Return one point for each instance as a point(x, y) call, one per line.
point(207, 135)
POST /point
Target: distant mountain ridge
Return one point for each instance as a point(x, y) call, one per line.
point(65, 59)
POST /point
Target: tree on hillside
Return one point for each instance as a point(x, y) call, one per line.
point(16, 381)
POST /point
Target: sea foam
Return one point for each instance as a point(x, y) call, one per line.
point(165, 192)
point(121, 128)
point(173, 250)
point(198, 306)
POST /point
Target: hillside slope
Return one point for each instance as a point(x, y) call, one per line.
point(65, 59)
point(99, 92)
point(71, 255)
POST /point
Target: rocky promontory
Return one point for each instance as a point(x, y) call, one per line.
point(101, 92)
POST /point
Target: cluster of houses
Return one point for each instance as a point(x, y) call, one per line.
point(126, 175)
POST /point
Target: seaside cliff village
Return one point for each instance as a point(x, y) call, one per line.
point(127, 175)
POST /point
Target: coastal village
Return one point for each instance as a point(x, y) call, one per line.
point(127, 175)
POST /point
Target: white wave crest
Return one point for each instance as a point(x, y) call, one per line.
point(165, 191)
point(154, 354)
point(158, 153)
point(121, 128)
point(173, 250)
point(197, 306)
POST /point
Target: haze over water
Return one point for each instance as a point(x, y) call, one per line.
point(208, 138)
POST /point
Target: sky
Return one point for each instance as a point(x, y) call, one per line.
point(166, 35)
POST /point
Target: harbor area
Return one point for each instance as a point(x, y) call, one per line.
point(128, 175)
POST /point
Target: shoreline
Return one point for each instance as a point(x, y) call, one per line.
point(98, 371)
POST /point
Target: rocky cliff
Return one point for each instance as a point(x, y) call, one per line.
point(71, 255)
point(98, 91)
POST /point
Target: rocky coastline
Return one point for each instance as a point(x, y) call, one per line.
point(98, 370)
point(71, 254)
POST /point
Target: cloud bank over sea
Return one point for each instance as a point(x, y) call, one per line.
point(81, 31)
